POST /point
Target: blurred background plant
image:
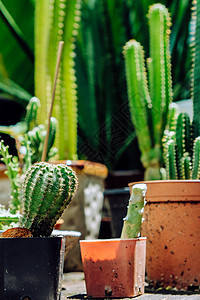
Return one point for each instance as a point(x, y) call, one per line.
point(105, 130)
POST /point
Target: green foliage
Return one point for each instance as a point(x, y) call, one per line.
point(12, 171)
point(133, 220)
point(16, 44)
point(54, 22)
point(47, 191)
point(149, 106)
point(30, 137)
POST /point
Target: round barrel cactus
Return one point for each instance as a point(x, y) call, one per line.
point(47, 190)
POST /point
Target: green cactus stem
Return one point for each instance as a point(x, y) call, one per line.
point(149, 106)
point(57, 21)
point(133, 220)
point(47, 189)
point(196, 159)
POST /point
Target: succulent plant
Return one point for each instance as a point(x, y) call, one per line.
point(133, 220)
point(149, 105)
point(47, 189)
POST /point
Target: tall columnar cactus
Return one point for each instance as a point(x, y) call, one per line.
point(149, 105)
point(133, 220)
point(56, 21)
point(181, 150)
point(47, 190)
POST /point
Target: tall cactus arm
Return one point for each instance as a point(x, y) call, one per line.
point(47, 191)
point(196, 159)
point(186, 166)
point(183, 135)
point(42, 25)
point(69, 86)
point(196, 69)
point(170, 160)
point(133, 220)
point(172, 116)
point(138, 95)
point(160, 67)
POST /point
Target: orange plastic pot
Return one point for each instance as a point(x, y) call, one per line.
point(114, 267)
point(172, 228)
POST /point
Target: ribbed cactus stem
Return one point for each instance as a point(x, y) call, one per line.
point(160, 82)
point(61, 21)
point(47, 190)
point(133, 220)
point(170, 160)
point(138, 95)
point(149, 106)
point(196, 159)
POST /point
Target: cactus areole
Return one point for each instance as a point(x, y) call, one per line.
point(47, 189)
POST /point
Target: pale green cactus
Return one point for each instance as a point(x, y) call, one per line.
point(57, 21)
point(149, 105)
point(47, 189)
point(133, 220)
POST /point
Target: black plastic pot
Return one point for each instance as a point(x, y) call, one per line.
point(31, 268)
point(118, 201)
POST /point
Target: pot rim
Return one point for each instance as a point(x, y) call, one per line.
point(113, 240)
point(171, 190)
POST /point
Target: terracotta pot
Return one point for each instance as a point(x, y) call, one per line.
point(171, 225)
point(114, 268)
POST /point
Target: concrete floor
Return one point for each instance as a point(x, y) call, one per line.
point(74, 288)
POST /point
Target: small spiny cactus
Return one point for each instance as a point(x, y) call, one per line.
point(47, 189)
point(133, 220)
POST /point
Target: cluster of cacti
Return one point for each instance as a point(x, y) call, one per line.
point(47, 190)
point(181, 150)
point(33, 144)
point(29, 136)
point(57, 21)
point(27, 124)
point(133, 220)
point(182, 144)
point(149, 104)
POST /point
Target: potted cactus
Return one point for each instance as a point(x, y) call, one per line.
point(31, 259)
point(116, 267)
point(172, 209)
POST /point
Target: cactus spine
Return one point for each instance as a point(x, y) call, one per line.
point(133, 220)
point(149, 105)
point(56, 21)
point(47, 190)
